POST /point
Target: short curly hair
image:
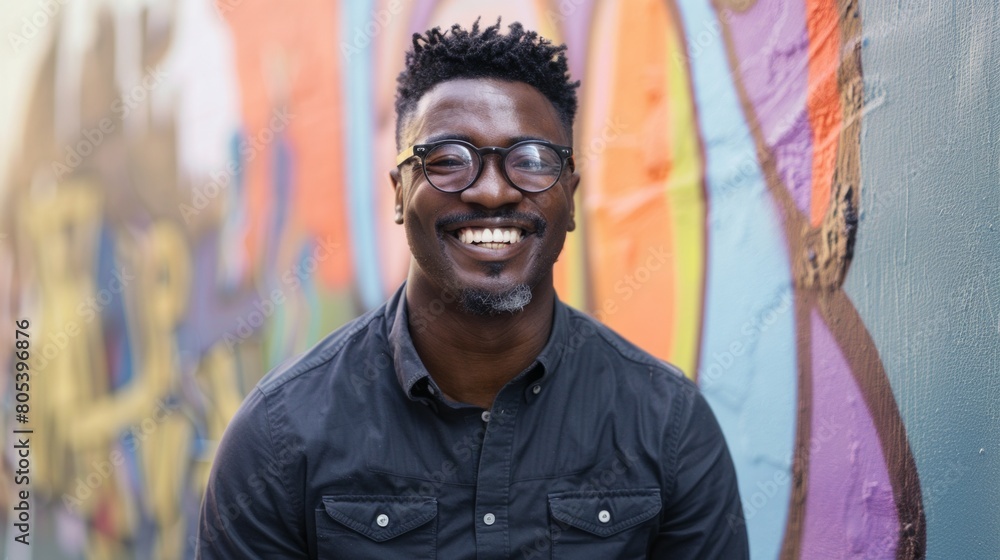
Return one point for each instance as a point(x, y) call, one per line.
point(519, 56)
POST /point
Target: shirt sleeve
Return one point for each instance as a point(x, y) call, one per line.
point(703, 519)
point(247, 511)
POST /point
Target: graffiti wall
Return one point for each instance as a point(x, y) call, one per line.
point(795, 201)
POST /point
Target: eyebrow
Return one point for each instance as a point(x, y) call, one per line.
point(465, 138)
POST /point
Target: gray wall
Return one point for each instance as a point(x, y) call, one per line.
point(926, 275)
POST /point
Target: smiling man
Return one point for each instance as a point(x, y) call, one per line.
point(474, 415)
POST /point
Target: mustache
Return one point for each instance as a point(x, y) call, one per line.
point(538, 224)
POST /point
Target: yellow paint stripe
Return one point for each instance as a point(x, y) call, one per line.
point(687, 204)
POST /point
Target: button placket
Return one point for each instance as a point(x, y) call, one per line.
point(492, 490)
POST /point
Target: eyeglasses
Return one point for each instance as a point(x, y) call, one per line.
point(452, 166)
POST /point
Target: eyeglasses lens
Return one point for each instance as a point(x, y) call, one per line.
point(533, 167)
point(451, 167)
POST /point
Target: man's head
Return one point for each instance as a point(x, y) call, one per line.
point(518, 56)
point(485, 89)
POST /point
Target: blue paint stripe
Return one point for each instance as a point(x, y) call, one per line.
point(748, 364)
point(359, 143)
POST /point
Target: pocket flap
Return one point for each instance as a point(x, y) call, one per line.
point(381, 518)
point(604, 513)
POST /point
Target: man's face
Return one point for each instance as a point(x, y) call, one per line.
point(484, 113)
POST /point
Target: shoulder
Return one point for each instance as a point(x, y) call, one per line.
point(300, 371)
point(594, 340)
point(268, 421)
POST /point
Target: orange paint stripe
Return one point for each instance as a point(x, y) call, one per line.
point(823, 100)
point(291, 50)
point(630, 151)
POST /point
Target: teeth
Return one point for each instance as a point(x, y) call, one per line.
point(494, 238)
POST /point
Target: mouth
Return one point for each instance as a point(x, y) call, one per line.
point(490, 237)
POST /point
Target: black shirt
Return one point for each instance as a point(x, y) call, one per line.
point(597, 450)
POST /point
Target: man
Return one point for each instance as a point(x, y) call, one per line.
point(474, 415)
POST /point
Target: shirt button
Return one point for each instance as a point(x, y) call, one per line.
point(430, 389)
point(489, 519)
point(382, 520)
point(486, 416)
point(604, 516)
point(536, 389)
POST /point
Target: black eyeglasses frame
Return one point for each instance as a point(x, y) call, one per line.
point(421, 151)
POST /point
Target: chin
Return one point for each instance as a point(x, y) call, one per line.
point(493, 303)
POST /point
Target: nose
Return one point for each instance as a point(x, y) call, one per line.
point(491, 189)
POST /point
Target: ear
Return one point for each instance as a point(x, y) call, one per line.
point(397, 187)
point(573, 183)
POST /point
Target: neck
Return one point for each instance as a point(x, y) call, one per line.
point(472, 357)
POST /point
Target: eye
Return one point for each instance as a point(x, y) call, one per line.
point(448, 161)
point(534, 159)
point(448, 158)
point(528, 164)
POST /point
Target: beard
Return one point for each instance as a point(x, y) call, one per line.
point(486, 303)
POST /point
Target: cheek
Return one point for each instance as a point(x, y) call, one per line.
point(420, 210)
point(557, 210)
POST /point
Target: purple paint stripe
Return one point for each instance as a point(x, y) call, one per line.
point(850, 508)
point(421, 16)
point(576, 32)
point(772, 45)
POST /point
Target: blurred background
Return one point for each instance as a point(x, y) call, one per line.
point(796, 201)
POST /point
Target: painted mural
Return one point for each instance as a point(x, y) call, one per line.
point(196, 191)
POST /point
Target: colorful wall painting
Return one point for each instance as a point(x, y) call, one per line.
point(195, 191)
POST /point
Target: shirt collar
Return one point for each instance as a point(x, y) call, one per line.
point(410, 370)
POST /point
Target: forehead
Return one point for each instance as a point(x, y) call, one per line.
point(485, 112)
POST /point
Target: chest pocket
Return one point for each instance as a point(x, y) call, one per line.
point(603, 524)
point(383, 527)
